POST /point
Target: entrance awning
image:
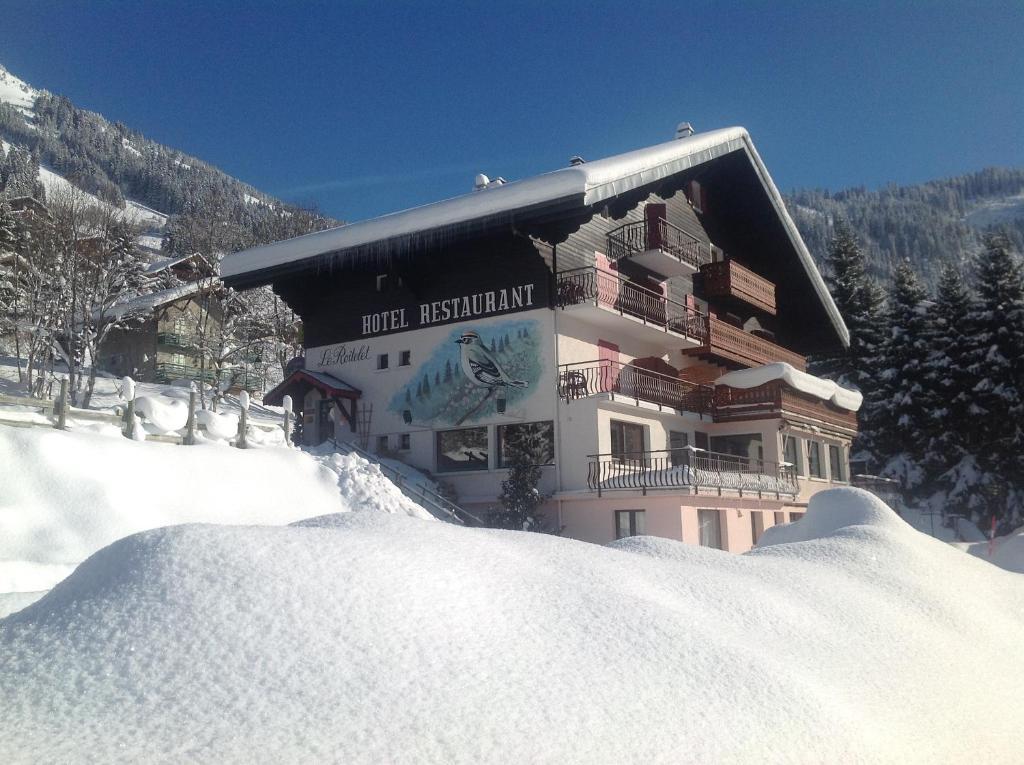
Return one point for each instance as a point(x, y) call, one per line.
point(301, 381)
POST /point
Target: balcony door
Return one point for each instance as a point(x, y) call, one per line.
point(608, 356)
point(654, 213)
point(627, 441)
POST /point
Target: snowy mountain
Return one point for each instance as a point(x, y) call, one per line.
point(46, 142)
point(926, 223)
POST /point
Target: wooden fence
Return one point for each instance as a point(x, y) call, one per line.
point(56, 413)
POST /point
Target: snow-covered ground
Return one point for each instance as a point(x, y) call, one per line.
point(66, 495)
point(380, 638)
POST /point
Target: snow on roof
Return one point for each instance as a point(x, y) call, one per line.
point(374, 638)
point(586, 184)
point(818, 387)
point(162, 263)
point(590, 183)
point(153, 300)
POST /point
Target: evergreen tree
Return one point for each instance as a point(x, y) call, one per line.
point(426, 386)
point(520, 499)
point(948, 461)
point(997, 362)
point(903, 419)
point(860, 302)
point(448, 370)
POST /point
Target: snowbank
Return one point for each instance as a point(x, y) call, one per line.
point(65, 495)
point(818, 387)
point(372, 638)
point(1006, 552)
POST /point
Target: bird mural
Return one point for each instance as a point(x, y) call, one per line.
point(480, 366)
point(476, 371)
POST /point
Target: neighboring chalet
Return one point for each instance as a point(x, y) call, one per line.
point(163, 346)
point(638, 325)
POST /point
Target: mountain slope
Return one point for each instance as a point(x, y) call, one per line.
point(926, 223)
point(47, 138)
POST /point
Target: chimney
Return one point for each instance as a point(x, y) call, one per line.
point(684, 130)
point(576, 161)
point(480, 182)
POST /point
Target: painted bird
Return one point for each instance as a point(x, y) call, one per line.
point(481, 367)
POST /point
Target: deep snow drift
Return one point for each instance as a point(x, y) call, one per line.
point(380, 638)
point(63, 496)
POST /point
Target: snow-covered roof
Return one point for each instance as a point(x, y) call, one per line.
point(153, 300)
point(818, 387)
point(590, 183)
point(586, 184)
point(163, 263)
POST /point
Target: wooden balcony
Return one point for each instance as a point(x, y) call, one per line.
point(658, 245)
point(630, 383)
point(689, 468)
point(775, 399)
point(732, 344)
point(728, 280)
point(607, 299)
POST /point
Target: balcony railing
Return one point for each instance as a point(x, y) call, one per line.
point(175, 340)
point(646, 235)
point(733, 344)
point(591, 378)
point(774, 398)
point(612, 292)
point(689, 468)
point(728, 279)
point(167, 372)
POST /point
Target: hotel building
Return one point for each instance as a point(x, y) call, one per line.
point(638, 325)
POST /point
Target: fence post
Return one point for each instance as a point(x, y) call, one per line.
point(190, 425)
point(243, 421)
point(62, 405)
point(287, 403)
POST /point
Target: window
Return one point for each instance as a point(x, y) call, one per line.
point(710, 523)
point(793, 517)
point(627, 441)
point(835, 463)
point(677, 443)
point(780, 518)
point(382, 444)
point(382, 361)
point(404, 442)
point(534, 441)
point(629, 523)
point(793, 454)
point(747, 445)
point(459, 450)
point(405, 358)
point(814, 463)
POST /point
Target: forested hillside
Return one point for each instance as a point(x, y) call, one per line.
point(118, 164)
point(926, 224)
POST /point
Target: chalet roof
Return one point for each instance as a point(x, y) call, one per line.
point(579, 186)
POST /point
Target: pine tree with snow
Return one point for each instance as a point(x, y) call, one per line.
point(948, 461)
point(899, 405)
point(860, 301)
point(997, 363)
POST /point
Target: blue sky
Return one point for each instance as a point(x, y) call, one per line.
point(365, 108)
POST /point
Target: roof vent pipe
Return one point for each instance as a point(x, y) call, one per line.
point(576, 161)
point(480, 182)
point(684, 130)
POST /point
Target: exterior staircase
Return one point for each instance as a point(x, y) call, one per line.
point(427, 498)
